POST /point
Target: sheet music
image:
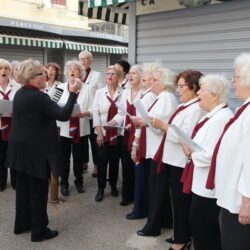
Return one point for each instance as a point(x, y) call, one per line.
point(183, 137)
point(120, 106)
point(6, 108)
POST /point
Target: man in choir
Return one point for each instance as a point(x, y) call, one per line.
point(95, 81)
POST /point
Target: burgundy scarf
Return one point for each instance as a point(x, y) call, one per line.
point(142, 140)
point(111, 133)
point(5, 121)
point(211, 174)
point(74, 127)
point(87, 75)
point(129, 135)
point(159, 154)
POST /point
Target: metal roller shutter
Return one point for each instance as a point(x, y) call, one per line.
point(205, 38)
point(12, 53)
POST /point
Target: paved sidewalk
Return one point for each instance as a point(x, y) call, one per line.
point(83, 224)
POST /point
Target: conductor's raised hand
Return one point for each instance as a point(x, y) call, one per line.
point(75, 85)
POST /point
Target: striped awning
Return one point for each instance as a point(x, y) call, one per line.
point(30, 41)
point(98, 3)
point(96, 48)
point(108, 14)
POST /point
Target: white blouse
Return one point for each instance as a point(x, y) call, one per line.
point(126, 96)
point(207, 137)
point(12, 87)
point(94, 81)
point(185, 120)
point(85, 101)
point(232, 176)
point(101, 106)
point(163, 109)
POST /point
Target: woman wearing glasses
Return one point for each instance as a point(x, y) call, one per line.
point(171, 154)
point(108, 138)
point(33, 150)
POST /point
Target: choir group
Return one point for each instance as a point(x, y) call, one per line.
point(184, 162)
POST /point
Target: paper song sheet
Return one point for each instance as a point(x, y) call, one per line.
point(183, 137)
point(6, 108)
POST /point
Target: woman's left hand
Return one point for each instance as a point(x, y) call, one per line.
point(187, 151)
point(244, 214)
point(158, 124)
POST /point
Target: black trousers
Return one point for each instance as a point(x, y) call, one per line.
point(233, 234)
point(77, 149)
point(140, 208)
point(128, 175)
point(204, 221)
point(160, 208)
point(3, 170)
point(31, 204)
point(108, 154)
point(181, 206)
point(93, 144)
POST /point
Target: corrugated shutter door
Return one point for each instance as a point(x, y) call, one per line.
point(13, 53)
point(206, 38)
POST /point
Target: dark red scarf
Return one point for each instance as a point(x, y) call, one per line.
point(129, 135)
point(142, 140)
point(5, 121)
point(87, 75)
point(159, 154)
point(211, 174)
point(111, 133)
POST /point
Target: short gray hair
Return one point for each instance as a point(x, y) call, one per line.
point(243, 58)
point(245, 75)
point(86, 53)
point(216, 84)
point(13, 65)
point(4, 62)
point(138, 68)
point(28, 69)
point(151, 67)
point(74, 63)
point(167, 78)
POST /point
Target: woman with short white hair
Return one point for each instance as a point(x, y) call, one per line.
point(230, 170)
point(8, 90)
point(14, 71)
point(204, 213)
point(159, 213)
point(74, 133)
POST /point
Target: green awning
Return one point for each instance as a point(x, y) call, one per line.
point(96, 48)
point(102, 3)
point(30, 41)
point(108, 14)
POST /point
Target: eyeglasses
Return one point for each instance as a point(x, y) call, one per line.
point(111, 73)
point(84, 59)
point(40, 74)
point(236, 77)
point(181, 86)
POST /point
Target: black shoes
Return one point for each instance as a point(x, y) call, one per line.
point(170, 240)
point(114, 192)
point(94, 175)
point(124, 203)
point(2, 188)
point(48, 234)
point(99, 195)
point(64, 190)
point(132, 216)
point(79, 187)
point(21, 230)
point(144, 233)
